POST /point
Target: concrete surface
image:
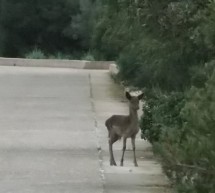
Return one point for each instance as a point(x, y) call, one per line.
point(53, 138)
point(55, 63)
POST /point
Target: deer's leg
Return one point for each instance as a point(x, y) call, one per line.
point(123, 151)
point(133, 145)
point(112, 139)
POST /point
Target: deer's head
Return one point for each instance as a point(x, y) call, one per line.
point(134, 101)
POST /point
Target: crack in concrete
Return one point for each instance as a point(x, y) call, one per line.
point(98, 144)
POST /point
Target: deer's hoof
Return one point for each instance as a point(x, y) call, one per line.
point(121, 164)
point(113, 163)
point(135, 164)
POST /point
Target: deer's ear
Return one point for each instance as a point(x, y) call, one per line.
point(140, 96)
point(128, 96)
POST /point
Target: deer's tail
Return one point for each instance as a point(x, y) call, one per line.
point(108, 125)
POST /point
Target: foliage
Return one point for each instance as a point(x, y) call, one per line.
point(162, 114)
point(181, 128)
point(61, 56)
point(88, 56)
point(53, 26)
point(197, 148)
point(35, 54)
point(155, 43)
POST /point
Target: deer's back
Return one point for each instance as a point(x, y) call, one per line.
point(122, 125)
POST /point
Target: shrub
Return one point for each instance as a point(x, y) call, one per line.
point(35, 54)
point(61, 56)
point(88, 56)
point(181, 127)
point(161, 115)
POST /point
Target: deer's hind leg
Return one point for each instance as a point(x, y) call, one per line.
point(112, 139)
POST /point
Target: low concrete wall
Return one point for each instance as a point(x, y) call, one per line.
point(98, 64)
point(78, 64)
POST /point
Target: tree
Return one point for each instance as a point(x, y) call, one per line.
point(52, 26)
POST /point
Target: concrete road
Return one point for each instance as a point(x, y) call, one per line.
point(53, 139)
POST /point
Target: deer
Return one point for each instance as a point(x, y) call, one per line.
point(124, 126)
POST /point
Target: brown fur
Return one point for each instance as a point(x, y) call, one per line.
point(124, 126)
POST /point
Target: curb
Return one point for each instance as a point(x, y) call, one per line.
point(55, 63)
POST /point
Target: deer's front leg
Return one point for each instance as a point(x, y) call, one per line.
point(133, 145)
point(123, 151)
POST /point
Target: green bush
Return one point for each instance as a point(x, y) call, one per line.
point(88, 56)
point(62, 56)
point(181, 128)
point(198, 146)
point(60, 25)
point(161, 115)
point(35, 54)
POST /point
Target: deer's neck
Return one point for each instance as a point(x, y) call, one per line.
point(133, 115)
